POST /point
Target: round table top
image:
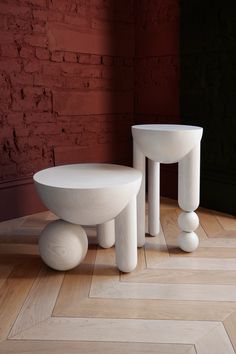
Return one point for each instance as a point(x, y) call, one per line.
point(87, 176)
point(166, 127)
point(166, 143)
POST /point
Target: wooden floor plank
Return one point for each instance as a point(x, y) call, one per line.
point(209, 222)
point(190, 262)
point(41, 300)
point(156, 248)
point(230, 326)
point(173, 302)
point(170, 227)
point(218, 226)
point(205, 252)
point(182, 276)
point(17, 238)
point(148, 309)
point(201, 233)
point(34, 222)
point(5, 271)
point(224, 233)
point(106, 284)
point(76, 285)
point(118, 330)
point(9, 227)
point(197, 292)
point(215, 341)
point(228, 222)
point(75, 347)
point(221, 242)
point(191, 350)
point(14, 291)
point(18, 248)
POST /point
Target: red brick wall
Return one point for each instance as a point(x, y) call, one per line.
point(66, 78)
point(157, 71)
point(72, 75)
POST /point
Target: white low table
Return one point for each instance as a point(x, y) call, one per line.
point(93, 194)
point(169, 143)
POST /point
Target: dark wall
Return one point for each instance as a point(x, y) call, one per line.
point(208, 93)
point(157, 72)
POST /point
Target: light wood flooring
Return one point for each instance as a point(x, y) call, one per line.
point(173, 303)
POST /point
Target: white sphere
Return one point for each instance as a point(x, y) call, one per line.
point(188, 241)
point(188, 221)
point(63, 245)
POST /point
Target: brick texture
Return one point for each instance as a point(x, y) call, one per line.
point(75, 75)
point(66, 81)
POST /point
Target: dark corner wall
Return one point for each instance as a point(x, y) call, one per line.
point(66, 72)
point(157, 71)
point(208, 94)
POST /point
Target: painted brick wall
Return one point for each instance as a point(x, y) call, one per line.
point(157, 71)
point(66, 81)
point(72, 75)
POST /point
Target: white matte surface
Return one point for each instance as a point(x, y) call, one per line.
point(126, 238)
point(106, 234)
point(62, 245)
point(87, 194)
point(189, 180)
point(166, 143)
point(139, 162)
point(153, 198)
point(188, 241)
point(86, 176)
point(188, 221)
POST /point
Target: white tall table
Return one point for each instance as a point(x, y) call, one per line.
point(92, 194)
point(168, 143)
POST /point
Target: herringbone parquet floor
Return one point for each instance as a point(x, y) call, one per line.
point(173, 303)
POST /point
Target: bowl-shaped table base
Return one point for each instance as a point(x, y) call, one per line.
point(89, 194)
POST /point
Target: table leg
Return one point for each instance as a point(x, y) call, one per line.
point(153, 197)
point(106, 234)
point(126, 237)
point(188, 198)
point(139, 164)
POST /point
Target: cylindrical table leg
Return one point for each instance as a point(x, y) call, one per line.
point(126, 238)
point(139, 164)
point(188, 198)
point(153, 197)
point(189, 180)
point(106, 234)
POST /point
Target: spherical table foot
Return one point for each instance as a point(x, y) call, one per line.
point(63, 245)
point(188, 241)
point(188, 221)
